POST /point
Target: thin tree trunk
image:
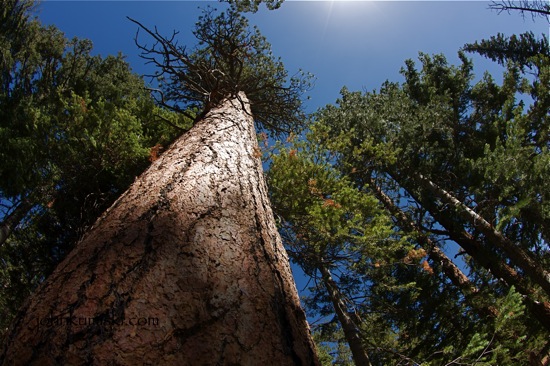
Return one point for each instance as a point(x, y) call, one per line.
point(502, 271)
point(457, 277)
point(186, 268)
point(451, 270)
point(351, 330)
point(11, 221)
point(516, 254)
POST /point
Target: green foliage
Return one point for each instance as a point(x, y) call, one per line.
point(230, 57)
point(325, 350)
point(502, 342)
point(518, 49)
point(486, 144)
point(75, 130)
point(330, 217)
point(252, 5)
point(327, 222)
point(479, 142)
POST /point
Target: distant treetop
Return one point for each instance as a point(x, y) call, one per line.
point(252, 5)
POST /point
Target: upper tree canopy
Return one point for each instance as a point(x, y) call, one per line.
point(230, 57)
point(523, 49)
point(252, 5)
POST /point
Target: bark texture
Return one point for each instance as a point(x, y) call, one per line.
point(186, 268)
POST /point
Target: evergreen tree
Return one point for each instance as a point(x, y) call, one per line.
point(373, 283)
point(253, 5)
point(523, 50)
point(192, 243)
point(450, 160)
point(472, 158)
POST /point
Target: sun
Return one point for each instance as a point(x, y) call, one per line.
point(349, 12)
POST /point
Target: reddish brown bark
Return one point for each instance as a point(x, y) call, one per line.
point(188, 264)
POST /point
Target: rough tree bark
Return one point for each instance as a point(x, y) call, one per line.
point(186, 268)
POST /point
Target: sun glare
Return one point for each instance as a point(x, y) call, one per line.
point(347, 13)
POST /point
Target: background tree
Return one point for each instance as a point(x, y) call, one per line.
point(451, 161)
point(375, 288)
point(253, 5)
point(523, 50)
point(330, 229)
point(191, 244)
point(445, 146)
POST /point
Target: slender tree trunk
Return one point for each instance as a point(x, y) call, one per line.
point(351, 330)
point(186, 268)
point(451, 270)
point(516, 254)
point(457, 277)
point(13, 219)
point(484, 257)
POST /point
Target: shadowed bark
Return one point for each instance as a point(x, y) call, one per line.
point(186, 268)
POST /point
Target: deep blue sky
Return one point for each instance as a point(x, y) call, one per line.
point(356, 44)
point(359, 44)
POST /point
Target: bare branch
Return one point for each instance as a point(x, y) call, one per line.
point(535, 8)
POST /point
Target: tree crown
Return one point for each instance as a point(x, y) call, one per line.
point(253, 5)
point(230, 57)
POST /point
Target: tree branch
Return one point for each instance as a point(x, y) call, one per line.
point(536, 8)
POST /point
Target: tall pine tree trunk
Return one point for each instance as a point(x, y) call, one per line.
point(186, 268)
point(350, 329)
